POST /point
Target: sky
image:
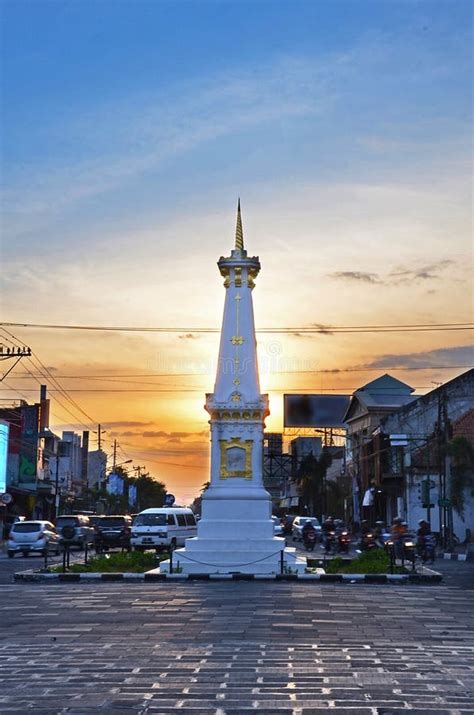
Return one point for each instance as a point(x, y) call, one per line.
point(129, 129)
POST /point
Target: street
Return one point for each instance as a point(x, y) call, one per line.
point(20, 563)
point(230, 648)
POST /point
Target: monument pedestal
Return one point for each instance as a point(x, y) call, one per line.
point(236, 535)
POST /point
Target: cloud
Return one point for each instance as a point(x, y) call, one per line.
point(462, 355)
point(139, 134)
point(425, 272)
point(398, 276)
point(296, 334)
point(323, 329)
point(160, 434)
point(358, 276)
point(127, 423)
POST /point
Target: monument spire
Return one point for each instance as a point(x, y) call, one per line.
point(236, 533)
point(239, 234)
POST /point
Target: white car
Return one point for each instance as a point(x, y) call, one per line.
point(300, 521)
point(277, 527)
point(35, 536)
point(162, 528)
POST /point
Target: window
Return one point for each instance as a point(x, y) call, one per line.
point(181, 520)
point(112, 521)
point(25, 527)
point(67, 521)
point(151, 520)
point(171, 521)
point(64, 449)
point(190, 520)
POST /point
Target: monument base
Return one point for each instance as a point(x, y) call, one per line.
point(236, 535)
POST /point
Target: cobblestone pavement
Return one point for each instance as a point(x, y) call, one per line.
point(230, 648)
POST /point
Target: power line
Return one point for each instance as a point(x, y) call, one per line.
point(331, 371)
point(324, 329)
point(45, 373)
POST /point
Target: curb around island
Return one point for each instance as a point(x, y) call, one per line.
point(366, 579)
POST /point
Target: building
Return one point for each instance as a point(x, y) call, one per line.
point(96, 469)
point(277, 468)
point(367, 407)
point(414, 459)
point(30, 447)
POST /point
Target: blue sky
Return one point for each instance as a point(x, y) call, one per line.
point(133, 107)
point(130, 128)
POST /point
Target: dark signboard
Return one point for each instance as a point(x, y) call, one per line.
point(315, 410)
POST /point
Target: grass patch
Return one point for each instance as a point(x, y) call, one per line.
point(126, 562)
point(376, 561)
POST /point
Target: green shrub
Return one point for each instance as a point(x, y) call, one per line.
point(374, 561)
point(126, 562)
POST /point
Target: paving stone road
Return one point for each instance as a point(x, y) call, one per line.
point(231, 648)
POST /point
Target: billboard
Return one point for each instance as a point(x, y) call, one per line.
point(315, 410)
point(4, 431)
point(115, 484)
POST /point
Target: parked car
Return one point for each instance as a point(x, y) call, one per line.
point(113, 531)
point(10, 519)
point(300, 521)
point(277, 527)
point(35, 536)
point(162, 527)
point(75, 530)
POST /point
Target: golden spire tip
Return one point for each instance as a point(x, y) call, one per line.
point(239, 234)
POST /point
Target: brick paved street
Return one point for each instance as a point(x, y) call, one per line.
point(228, 648)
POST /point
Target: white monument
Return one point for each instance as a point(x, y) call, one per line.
point(236, 533)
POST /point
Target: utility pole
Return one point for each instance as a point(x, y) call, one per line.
point(442, 440)
point(115, 456)
point(56, 490)
point(15, 353)
point(99, 438)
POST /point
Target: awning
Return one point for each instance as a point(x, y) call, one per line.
point(295, 501)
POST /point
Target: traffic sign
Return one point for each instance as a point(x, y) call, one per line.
point(6, 498)
point(444, 502)
point(169, 499)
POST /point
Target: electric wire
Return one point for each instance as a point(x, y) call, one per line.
point(417, 327)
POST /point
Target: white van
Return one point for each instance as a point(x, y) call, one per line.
point(162, 527)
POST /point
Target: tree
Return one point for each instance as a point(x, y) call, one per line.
point(462, 471)
point(150, 492)
point(196, 506)
point(311, 476)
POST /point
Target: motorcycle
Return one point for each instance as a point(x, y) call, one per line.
point(309, 540)
point(426, 548)
point(343, 542)
point(329, 541)
point(368, 542)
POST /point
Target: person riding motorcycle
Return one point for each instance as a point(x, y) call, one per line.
point(328, 533)
point(425, 543)
point(342, 536)
point(309, 535)
point(397, 533)
point(379, 533)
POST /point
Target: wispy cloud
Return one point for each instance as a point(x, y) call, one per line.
point(141, 133)
point(430, 271)
point(127, 423)
point(357, 276)
point(398, 276)
point(460, 355)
